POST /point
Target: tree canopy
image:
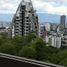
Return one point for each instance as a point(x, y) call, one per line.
point(33, 47)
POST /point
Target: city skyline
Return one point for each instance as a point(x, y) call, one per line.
point(43, 17)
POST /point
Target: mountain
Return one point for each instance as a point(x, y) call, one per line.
point(6, 17)
point(43, 17)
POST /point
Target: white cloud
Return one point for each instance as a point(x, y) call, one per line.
point(57, 10)
point(50, 7)
point(8, 6)
point(47, 6)
point(60, 1)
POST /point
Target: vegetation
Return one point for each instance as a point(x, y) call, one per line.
point(33, 47)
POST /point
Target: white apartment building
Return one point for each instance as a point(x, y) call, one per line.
point(55, 41)
point(47, 26)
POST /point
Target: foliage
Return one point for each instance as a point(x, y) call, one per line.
point(18, 42)
point(27, 52)
point(39, 46)
point(33, 47)
point(8, 48)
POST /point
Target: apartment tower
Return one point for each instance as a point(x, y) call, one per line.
point(25, 19)
point(62, 22)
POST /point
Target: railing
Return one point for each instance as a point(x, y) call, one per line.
point(28, 61)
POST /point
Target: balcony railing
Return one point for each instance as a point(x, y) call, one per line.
point(6, 58)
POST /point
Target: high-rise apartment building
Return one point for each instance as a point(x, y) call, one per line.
point(25, 20)
point(62, 22)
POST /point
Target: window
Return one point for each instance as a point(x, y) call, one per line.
point(29, 11)
point(17, 23)
point(27, 20)
point(16, 29)
point(27, 30)
point(27, 23)
point(27, 17)
point(27, 27)
point(17, 26)
point(16, 32)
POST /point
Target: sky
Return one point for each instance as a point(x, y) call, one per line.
point(48, 10)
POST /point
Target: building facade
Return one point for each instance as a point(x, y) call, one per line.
point(25, 20)
point(41, 30)
point(47, 26)
point(64, 41)
point(55, 41)
point(62, 22)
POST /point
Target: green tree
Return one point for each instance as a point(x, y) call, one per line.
point(18, 42)
point(39, 46)
point(30, 37)
point(27, 52)
point(8, 48)
point(3, 38)
point(63, 62)
point(62, 55)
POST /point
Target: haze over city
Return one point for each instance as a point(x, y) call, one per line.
point(48, 10)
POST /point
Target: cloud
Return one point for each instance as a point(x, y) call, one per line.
point(8, 6)
point(60, 1)
point(57, 10)
point(42, 6)
point(51, 6)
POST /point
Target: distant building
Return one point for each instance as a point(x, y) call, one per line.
point(41, 30)
point(65, 29)
point(2, 29)
point(62, 22)
point(6, 27)
point(55, 41)
point(25, 20)
point(58, 29)
point(47, 39)
point(47, 26)
point(54, 27)
point(64, 41)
